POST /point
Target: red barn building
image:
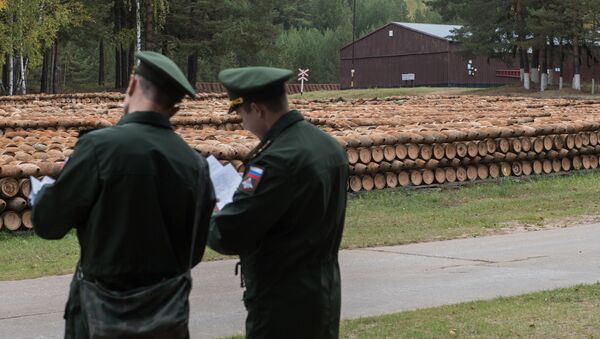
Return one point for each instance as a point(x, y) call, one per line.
point(399, 51)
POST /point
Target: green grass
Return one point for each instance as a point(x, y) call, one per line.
point(563, 313)
point(382, 218)
point(385, 92)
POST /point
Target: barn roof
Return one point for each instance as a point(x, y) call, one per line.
point(438, 31)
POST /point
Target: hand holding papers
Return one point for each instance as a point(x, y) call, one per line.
point(36, 186)
point(225, 180)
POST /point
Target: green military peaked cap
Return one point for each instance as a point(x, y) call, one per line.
point(164, 73)
point(249, 84)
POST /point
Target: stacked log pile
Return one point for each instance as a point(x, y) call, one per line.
point(392, 142)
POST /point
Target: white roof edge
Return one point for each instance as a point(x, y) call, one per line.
point(437, 31)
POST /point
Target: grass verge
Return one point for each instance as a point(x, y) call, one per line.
point(385, 218)
point(563, 313)
point(385, 92)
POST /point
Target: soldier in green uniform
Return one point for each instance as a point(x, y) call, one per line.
point(287, 216)
point(130, 192)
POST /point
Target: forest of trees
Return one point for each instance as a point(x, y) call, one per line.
point(55, 46)
point(541, 34)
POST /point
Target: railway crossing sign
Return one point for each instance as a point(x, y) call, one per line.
point(302, 77)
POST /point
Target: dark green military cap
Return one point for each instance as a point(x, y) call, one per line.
point(164, 74)
point(249, 84)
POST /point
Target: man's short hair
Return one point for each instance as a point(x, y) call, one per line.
point(156, 95)
point(276, 104)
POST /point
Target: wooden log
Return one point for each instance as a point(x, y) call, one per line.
point(585, 139)
point(16, 204)
point(548, 142)
point(2, 205)
point(491, 146)
point(420, 163)
point(566, 164)
point(538, 145)
point(472, 149)
point(9, 187)
point(594, 161)
point(440, 175)
point(12, 220)
point(510, 157)
point(578, 141)
point(373, 168)
point(482, 148)
point(377, 153)
point(516, 168)
point(461, 174)
point(503, 145)
point(416, 179)
point(355, 183)
point(547, 166)
point(426, 152)
point(494, 171)
point(28, 170)
point(556, 166)
point(389, 153)
point(505, 169)
point(450, 174)
point(450, 151)
point(10, 171)
point(428, 177)
point(483, 172)
point(401, 152)
point(380, 181)
point(593, 138)
point(397, 166)
point(24, 187)
point(413, 151)
point(432, 164)
point(461, 150)
point(570, 141)
point(526, 144)
point(537, 167)
point(364, 155)
point(585, 160)
point(559, 142)
point(403, 178)
point(391, 180)
point(577, 163)
point(367, 182)
point(527, 168)
point(515, 145)
point(385, 166)
point(439, 151)
point(471, 172)
point(26, 219)
point(358, 169)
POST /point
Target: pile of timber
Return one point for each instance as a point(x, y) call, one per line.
point(391, 142)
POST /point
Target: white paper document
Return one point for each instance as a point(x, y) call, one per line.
point(36, 186)
point(225, 180)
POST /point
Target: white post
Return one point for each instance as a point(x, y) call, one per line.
point(534, 75)
point(544, 82)
point(522, 73)
point(302, 87)
point(23, 66)
point(560, 83)
point(527, 82)
point(577, 82)
point(138, 46)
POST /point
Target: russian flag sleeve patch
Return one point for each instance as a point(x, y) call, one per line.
point(251, 179)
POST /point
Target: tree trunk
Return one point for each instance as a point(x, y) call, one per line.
point(561, 58)
point(130, 61)
point(23, 65)
point(4, 87)
point(101, 64)
point(149, 33)
point(522, 64)
point(576, 65)
point(118, 67)
point(11, 74)
point(138, 26)
point(55, 69)
point(192, 68)
point(45, 71)
point(526, 78)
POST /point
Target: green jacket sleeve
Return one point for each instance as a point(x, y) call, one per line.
point(240, 226)
point(66, 203)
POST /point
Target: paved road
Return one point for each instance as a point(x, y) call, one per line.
point(375, 281)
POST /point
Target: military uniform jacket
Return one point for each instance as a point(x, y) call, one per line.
point(130, 192)
point(286, 222)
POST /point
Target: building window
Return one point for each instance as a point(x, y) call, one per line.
point(391, 33)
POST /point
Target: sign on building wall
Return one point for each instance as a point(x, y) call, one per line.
point(408, 77)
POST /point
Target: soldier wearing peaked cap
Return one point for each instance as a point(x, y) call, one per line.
point(130, 192)
point(287, 216)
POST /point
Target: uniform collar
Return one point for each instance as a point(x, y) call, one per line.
point(149, 118)
point(283, 123)
point(287, 120)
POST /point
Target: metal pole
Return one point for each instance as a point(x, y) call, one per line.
point(353, 43)
point(138, 18)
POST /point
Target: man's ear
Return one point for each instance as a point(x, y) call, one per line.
point(258, 109)
point(133, 82)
